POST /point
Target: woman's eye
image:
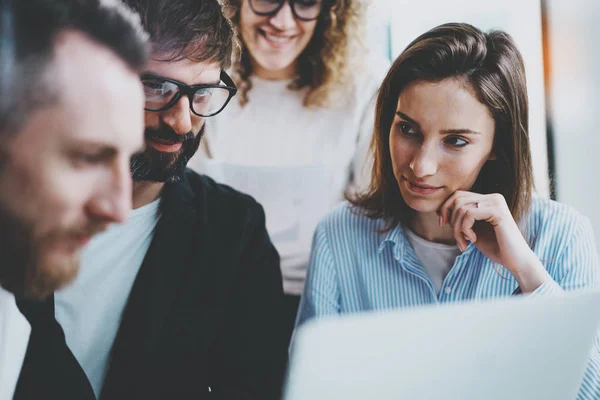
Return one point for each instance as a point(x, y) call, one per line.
point(456, 142)
point(407, 129)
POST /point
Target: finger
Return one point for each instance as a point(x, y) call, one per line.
point(474, 214)
point(462, 204)
point(457, 232)
point(447, 208)
point(444, 210)
point(467, 224)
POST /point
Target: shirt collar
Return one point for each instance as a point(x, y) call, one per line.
point(395, 238)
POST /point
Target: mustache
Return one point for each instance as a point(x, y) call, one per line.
point(167, 134)
point(92, 229)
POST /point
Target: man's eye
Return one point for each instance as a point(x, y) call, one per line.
point(85, 158)
point(89, 158)
point(154, 92)
point(204, 92)
point(154, 87)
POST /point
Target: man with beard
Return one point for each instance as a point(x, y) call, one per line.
point(182, 300)
point(68, 134)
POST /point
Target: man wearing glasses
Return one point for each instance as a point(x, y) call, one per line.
point(183, 299)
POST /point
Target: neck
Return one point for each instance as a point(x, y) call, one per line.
point(427, 226)
point(145, 192)
point(274, 75)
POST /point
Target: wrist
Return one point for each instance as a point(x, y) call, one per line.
point(531, 275)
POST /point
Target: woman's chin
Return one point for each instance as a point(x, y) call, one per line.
point(423, 206)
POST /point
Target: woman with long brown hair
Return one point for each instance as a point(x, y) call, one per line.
point(297, 136)
point(450, 215)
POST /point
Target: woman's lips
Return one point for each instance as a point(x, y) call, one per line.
point(277, 41)
point(421, 189)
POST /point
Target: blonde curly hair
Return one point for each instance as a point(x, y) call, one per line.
point(326, 65)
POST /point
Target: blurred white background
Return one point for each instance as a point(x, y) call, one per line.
point(574, 102)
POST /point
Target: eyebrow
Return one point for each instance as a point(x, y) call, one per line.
point(461, 131)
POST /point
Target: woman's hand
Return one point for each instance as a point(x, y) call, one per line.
point(496, 235)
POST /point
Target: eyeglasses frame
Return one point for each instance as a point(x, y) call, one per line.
point(190, 91)
point(292, 6)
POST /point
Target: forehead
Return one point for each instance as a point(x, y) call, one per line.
point(99, 97)
point(187, 71)
point(445, 104)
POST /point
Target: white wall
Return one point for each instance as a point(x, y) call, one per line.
point(520, 18)
point(378, 23)
point(574, 45)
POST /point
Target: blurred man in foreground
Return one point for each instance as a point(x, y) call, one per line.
point(70, 121)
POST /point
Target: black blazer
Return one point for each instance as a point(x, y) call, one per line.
point(203, 320)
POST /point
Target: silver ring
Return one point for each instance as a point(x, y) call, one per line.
point(476, 204)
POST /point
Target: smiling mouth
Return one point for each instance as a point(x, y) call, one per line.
point(275, 38)
point(421, 189)
point(165, 145)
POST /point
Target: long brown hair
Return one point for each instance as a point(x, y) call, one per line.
point(492, 65)
point(325, 64)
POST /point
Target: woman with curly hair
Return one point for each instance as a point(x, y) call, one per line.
point(297, 137)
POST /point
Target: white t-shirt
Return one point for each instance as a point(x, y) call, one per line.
point(437, 258)
point(14, 337)
point(89, 309)
point(296, 161)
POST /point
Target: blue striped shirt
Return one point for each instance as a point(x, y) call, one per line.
point(354, 268)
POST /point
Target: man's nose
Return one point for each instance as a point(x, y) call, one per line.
point(113, 201)
point(179, 117)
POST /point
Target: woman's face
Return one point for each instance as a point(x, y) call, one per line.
point(275, 42)
point(440, 139)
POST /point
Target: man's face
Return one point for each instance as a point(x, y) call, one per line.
point(173, 135)
point(66, 172)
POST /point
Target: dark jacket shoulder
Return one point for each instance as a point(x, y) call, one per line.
point(221, 210)
point(209, 193)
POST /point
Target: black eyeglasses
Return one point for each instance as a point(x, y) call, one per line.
point(305, 10)
point(205, 100)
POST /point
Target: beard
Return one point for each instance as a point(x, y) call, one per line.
point(156, 166)
point(29, 268)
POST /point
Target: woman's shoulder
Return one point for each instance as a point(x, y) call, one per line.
point(544, 208)
point(549, 217)
point(346, 219)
